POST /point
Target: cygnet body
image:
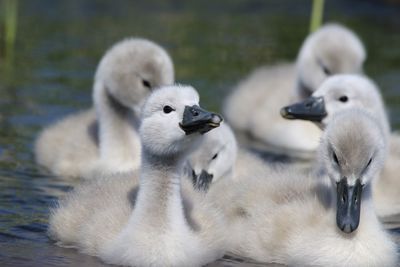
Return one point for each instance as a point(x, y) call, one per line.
point(253, 107)
point(104, 139)
point(321, 219)
point(143, 219)
point(345, 91)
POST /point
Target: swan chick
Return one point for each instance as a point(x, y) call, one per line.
point(325, 218)
point(341, 92)
point(330, 50)
point(214, 159)
point(104, 138)
point(219, 162)
point(143, 219)
point(337, 93)
point(333, 49)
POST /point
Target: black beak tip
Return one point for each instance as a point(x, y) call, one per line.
point(216, 119)
point(348, 228)
point(213, 122)
point(286, 113)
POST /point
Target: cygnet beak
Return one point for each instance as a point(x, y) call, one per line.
point(348, 205)
point(311, 109)
point(197, 120)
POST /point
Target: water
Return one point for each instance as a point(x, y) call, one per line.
point(213, 46)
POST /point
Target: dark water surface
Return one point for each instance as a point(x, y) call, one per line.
point(213, 44)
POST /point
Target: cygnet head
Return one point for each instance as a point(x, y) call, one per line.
point(214, 159)
point(352, 152)
point(337, 93)
point(172, 121)
point(332, 49)
point(131, 69)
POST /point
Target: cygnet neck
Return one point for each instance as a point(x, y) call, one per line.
point(159, 201)
point(118, 126)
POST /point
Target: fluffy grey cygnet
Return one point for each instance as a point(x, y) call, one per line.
point(346, 91)
point(104, 139)
point(145, 218)
point(320, 219)
point(253, 106)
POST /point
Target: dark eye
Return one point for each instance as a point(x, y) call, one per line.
point(335, 158)
point(168, 109)
point(343, 99)
point(215, 156)
point(326, 70)
point(369, 163)
point(146, 83)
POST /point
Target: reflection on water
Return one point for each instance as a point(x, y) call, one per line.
point(213, 46)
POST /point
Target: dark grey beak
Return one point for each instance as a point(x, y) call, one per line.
point(311, 109)
point(348, 205)
point(197, 120)
point(203, 181)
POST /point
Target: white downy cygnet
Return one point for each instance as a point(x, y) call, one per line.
point(346, 91)
point(321, 219)
point(220, 161)
point(214, 159)
point(253, 107)
point(144, 219)
point(104, 138)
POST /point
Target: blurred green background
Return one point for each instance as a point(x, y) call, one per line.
point(213, 43)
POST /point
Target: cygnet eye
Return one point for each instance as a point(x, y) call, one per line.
point(369, 163)
point(146, 84)
point(326, 70)
point(335, 158)
point(343, 98)
point(215, 156)
point(168, 109)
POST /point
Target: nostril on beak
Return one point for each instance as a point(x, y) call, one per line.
point(195, 112)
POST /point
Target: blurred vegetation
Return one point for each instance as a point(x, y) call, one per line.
point(316, 15)
point(214, 44)
point(9, 14)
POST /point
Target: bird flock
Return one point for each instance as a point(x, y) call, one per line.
point(166, 183)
